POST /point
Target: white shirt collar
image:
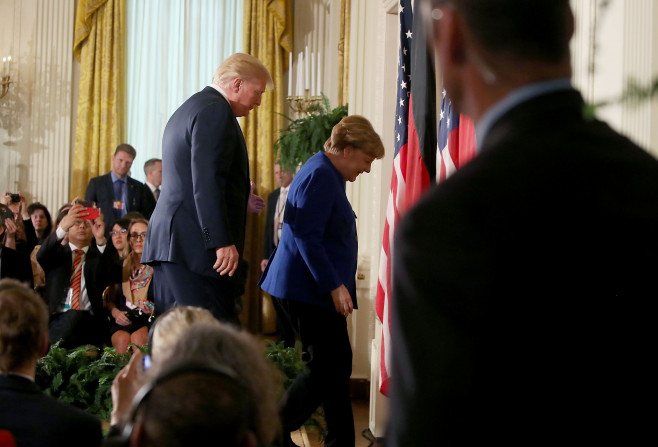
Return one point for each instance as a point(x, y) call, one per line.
point(151, 186)
point(220, 90)
point(74, 248)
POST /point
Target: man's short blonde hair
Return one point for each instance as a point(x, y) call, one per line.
point(243, 66)
point(357, 132)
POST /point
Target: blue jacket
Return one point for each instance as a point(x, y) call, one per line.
point(318, 248)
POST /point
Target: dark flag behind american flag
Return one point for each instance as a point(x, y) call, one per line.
point(414, 163)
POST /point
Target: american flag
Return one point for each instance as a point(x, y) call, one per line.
point(414, 160)
point(456, 140)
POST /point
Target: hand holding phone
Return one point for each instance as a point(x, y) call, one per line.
point(90, 208)
point(7, 214)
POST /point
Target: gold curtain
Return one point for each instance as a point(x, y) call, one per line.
point(267, 35)
point(99, 47)
point(344, 52)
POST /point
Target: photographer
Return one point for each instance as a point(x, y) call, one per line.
point(76, 275)
point(13, 264)
point(24, 238)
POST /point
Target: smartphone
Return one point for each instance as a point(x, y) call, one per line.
point(90, 208)
point(93, 214)
point(7, 214)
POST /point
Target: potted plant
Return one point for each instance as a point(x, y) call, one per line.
point(305, 136)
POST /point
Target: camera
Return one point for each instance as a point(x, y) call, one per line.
point(15, 198)
point(7, 214)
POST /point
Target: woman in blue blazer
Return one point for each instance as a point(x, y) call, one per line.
point(313, 271)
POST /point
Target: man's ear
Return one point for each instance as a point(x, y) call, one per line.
point(450, 39)
point(44, 345)
point(236, 84)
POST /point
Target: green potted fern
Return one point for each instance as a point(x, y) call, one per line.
point(305, 136)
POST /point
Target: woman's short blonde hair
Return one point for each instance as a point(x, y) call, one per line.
point(243, 66)
point(357, 132)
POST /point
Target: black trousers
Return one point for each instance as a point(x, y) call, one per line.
point(326, 380)
point(76, 328)
point(175, 285)
point(283, 325)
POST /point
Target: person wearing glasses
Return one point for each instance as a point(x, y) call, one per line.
point(130, 301)
point(119, 236)
point(76, 260)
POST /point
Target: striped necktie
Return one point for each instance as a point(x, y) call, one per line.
point(76, 280)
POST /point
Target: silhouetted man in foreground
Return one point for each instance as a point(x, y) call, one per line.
point(521, 284)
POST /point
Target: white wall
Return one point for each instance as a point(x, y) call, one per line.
point(621, 41)
point(37, 115)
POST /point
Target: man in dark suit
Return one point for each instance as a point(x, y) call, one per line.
point(153, 173)
point(276, 205)
point(33, 418)
point(77, 272)
point(196, 235)
point(116, 193)
point(521, 283)
point(13, 264)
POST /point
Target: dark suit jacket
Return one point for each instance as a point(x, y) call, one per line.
point(268, 237)
point(57, 263)
point(101, 190)
point(37, 420)
point(521, 288)
point(318, 248)
point(16, 265)
point(203, 201)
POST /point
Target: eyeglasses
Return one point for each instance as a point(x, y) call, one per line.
point(141, 236)
point(116, 233)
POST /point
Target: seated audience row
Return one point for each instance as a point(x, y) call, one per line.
point(97, 293)
point(210, 381)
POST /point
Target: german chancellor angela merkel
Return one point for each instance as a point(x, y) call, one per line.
point(313, 272)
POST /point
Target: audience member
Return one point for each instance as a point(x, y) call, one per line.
point(521, 285)
point(13, 264)
point(196, 236)
point(116, 193)
point(236, 404)
point(131, 301)
point(276, 206)
point(24, 238)
point(43, 225)
point(76, 275)
point(153, 172)
point(119, 236)
point(33, 418)
point(313, 272)
point(167, 328)
point(41, 220)
point(165, 331)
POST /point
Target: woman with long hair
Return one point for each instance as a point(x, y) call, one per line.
point(130, 302)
